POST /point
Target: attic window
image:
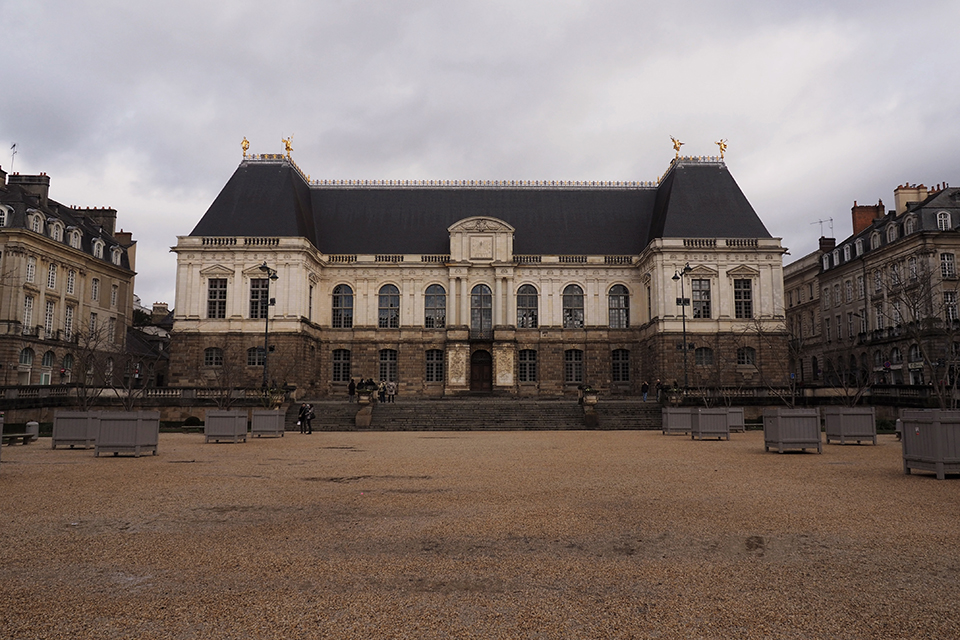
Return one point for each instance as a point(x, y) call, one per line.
point(98, 249)
point(910, 225)
point(875, 241)
point(115, 256)
point(75, 239)
point(891, 233)
point(859, 247)
point(36, 224)
point(846, 253)
point(943, 221)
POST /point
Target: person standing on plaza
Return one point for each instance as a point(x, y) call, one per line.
point(351, 390)
point(644, 388)
point(310, 416)
point(302, 417)
point(659, 388)
point(382, 391)
point(391, 391)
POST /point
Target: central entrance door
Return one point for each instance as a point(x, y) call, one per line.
point(481, 371)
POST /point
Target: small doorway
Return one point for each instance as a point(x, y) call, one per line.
point(481, 371)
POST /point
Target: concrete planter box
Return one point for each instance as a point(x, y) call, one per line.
point(75, 428)
point(791, 429)
point(265, 422)
point(709, 423)
point(677, 420)
point(225, 425)
point(736, 420)
point(133, 432)
point(931, 441)
point(850, 423)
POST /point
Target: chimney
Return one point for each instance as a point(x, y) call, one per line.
point(103, 216)
point(906, 194)
point(827, 244)
point(160, 311)
point(125, 238)
point(35, 185)
point(865, 214)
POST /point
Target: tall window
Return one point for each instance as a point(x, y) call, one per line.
point(877, 281)
point(388, 365)
point(950, 305)
point(861, 289)
point(703, 356)
point(912, 270)
point(93, 323)
point(527, 366)
point(527, 307)
point(48, 318)
point(217, 298)
point(341, 365)
point(826, 329)
point(68, 323)
point(255, 357)
point(3, 217)
point(27, 314)
point(743, 298)
point(573, 307)
point(943, 221)
point(481, 309)
point(31, 269)
point(878, 314)
point(848, 287)
point(259, 297)
point(389, 315)
point(701, 297)
point(948, 266)
point(620, 359)
point(98, 249)
point(95, 289)
point(434, 372)
point(52, 277)
point(111, 329)
point(619, 304)
point(213, 357)
point(310, 304)
point(746, 356)
point(435, 307)
point(114, 292)
point(573, 366)
point(71, 282)
point(342, 307)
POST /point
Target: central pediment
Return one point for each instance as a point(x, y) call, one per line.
point(481, 239)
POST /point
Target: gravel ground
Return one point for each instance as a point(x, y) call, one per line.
point(477, 535)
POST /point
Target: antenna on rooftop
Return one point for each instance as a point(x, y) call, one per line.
point(820, 222)
point(13, 155)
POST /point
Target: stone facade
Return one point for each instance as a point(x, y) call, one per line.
point(479, 318)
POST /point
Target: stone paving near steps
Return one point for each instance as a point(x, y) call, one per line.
point(477, 535)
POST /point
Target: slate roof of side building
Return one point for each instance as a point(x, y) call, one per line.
point(695, 199)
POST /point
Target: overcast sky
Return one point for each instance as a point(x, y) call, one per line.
point(142, 106)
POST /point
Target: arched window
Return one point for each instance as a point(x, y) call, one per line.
point(858, 246)
point(255, 357)
point(68, 362)
point(52, 276)
point(26, 356)
point(846, 253)
point(342, 307)
point(341, 365)
point(573, 307)
point(915, 354)
point(874, 240)
point(943, 221)
point(527, 305)
point(434, 372)
point(388, 365)
point(573, 366)
point(909, 225)
point(213, 357)
point(36, 223)
point(435, 307)
point(75, 239)
point(56, 232)
point(3, 216)
point(620, 359)
point(619, 304)
point(481, 310)
point(891, 232)
point(527, 366)
point(389, 315)
point(746, 356)
point(703, 356)
point(98, 248)
point(896, 357)
point(48, 359)
point(115, 255)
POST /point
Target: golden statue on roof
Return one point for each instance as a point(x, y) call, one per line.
point(722, 143)
point(288, 144)
point(676, 145)
point(245, 145)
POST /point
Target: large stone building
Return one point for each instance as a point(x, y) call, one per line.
point(66, 285)
point(880, 307)
point(448, 287)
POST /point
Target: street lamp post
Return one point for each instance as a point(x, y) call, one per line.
point(683, 302)
point(265, 303)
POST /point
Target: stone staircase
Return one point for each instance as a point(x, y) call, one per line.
point(481, 414)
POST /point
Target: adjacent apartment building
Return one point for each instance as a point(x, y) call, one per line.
point(66, 285)
point(469, 286)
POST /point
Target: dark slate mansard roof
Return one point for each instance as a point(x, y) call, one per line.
point(271, 198)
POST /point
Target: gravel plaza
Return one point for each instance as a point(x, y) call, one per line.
point(600, 534)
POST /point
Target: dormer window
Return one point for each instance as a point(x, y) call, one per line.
point(891, 232)
point(75, 239)
point(36, 223)
point(859, 247)
point(910, 225)
point(4, 215)
point(836, 257)
point(98, 248)
point(875, 241)
point(826, 262)
point(943, 221)
point(56, 229)
point(115, 255)
point(846, 253)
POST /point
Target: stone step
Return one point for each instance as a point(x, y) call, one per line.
point(495, 414)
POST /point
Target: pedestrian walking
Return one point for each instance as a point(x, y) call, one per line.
point(310, 416)
point(391, 391)
point(659, 389)
point(351, 390)
point(644, 388)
